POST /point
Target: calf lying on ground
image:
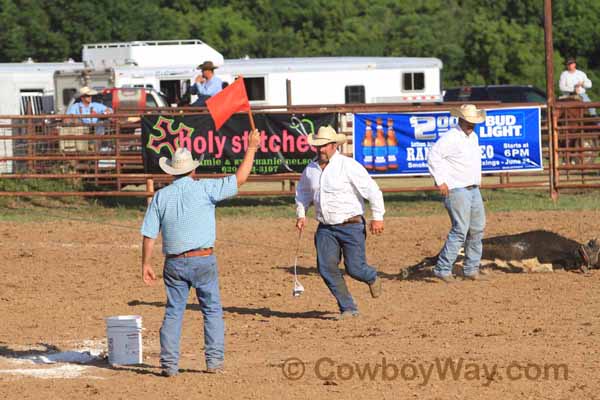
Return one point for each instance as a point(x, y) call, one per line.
point(534, 251)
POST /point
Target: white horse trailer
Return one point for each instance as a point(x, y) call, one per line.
point(171, 81)
point(319, 80)
point(25, 88)
point(337, 80)
point(158, 53)
point(28, 87)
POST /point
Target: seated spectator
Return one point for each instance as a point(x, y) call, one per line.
point(574, 82)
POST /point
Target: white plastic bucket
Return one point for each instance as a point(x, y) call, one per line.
point(124, 337)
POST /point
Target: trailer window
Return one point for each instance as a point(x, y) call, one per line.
point(255, 88)
point(68, 94)
point(354, 94)
point(413, 81)
point(33, 101)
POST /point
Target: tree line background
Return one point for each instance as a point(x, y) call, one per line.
point(479, 41)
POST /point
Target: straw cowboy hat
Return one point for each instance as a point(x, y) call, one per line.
point(325, 135)
point(207, 65)
point(86, 91)
point(182, 162)
point(469, 113)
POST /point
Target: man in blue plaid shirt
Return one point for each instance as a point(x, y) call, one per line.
point(185, 214)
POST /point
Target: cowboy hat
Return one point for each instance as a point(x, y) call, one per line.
point(86, 91)
point(469, 113)
point(182, 162)
point(325, 135)
point(207, 65)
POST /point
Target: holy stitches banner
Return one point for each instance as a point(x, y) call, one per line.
point(283, 148)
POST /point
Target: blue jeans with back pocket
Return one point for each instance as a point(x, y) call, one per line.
point(467, 214)
point(181, 274)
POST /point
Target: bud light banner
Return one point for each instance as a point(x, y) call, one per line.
point(398, 144)
point(283, 147)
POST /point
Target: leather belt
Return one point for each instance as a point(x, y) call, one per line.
point(193, 253)
point(357, 219)
point(471, 187)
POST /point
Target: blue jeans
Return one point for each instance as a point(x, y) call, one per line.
point(465, 208)
point(181, 274)
point(586, 98)
point(331, 242)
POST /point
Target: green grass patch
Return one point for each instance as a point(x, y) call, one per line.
point(397, 205)
point(427, 203)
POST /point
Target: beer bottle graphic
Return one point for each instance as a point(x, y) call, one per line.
point(392, 145)
point(380, 149)
point(367, 147)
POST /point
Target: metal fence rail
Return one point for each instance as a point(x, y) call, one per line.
point(107, 155)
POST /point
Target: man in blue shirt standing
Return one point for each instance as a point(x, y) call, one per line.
point(206, 84)
point(88, 107)
point(185, 214)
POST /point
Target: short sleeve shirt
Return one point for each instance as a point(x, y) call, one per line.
point(81, 109)
point(184, 212)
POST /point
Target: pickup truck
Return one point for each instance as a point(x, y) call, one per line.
point(501, 93)
point(120, 100)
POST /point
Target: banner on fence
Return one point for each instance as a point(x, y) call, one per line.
point(398, 144)
point(284, 146)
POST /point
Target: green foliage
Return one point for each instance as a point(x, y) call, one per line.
point(479, 41)
point(226, 30)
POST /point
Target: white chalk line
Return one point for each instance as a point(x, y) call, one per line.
point(55, 365)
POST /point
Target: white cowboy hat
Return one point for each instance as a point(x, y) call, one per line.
point(326, 134)
point(182, 162)
point(469, 113)
point(86, 91)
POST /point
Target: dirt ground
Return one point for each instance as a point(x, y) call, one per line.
point(518, 336)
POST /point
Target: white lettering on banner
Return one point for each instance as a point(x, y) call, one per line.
point(417, 165)
point(428, 127)
point(424, 127)
point(498, 126)
point(490, 163)
point(487, 151)
point(516, 153)
point(417, 154)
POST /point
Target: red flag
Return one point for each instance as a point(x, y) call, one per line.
point(227, 102)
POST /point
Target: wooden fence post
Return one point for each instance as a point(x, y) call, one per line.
point(149, 188)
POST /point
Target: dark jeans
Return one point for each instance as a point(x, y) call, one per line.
point(333, 241)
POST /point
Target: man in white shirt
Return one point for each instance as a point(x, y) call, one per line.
point(337, 185)
point(455, 163)
point(575, 82)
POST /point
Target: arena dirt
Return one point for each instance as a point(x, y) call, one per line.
point(61, 279)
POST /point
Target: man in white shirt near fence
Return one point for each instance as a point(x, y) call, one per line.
point(337, 185)
point(574, 82)
point(455, 163)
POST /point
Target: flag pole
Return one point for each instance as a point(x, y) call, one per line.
point(251, 118)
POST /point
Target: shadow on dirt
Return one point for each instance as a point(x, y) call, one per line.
point(262, 311)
